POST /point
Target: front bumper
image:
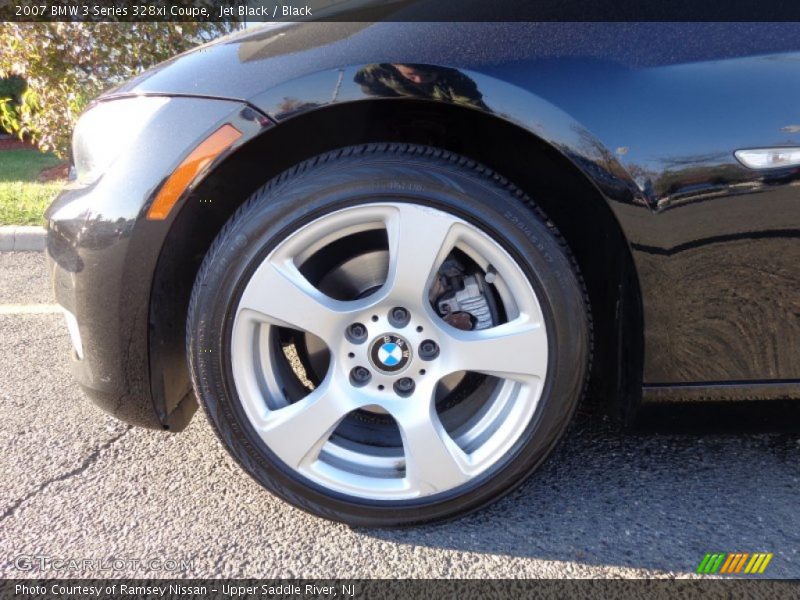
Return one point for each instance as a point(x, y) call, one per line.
point(102, 254)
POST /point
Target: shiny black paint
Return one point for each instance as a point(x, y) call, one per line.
point(650, 113)
point(103, 253)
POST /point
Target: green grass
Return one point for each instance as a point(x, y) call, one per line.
point(23, 199)
point(24, 203)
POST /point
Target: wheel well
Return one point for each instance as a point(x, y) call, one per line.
point(563, 192)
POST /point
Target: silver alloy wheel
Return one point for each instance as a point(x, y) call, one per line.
point(432, 459)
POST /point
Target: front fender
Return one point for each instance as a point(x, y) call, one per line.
point(476, 90)
point(102, 254)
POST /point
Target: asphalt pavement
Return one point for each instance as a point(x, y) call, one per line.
point(77, 484)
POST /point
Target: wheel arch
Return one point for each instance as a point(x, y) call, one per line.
point(561, 181)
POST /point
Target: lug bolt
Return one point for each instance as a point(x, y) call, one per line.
point(356, 333)
point(404, 386)
point(360, 376)
point(399, 317)
point(428, 350)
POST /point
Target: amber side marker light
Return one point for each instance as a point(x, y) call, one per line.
point(209, 149)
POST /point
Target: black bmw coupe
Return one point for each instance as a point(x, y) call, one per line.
point(389, 259)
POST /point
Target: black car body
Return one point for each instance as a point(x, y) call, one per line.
point(624, 133)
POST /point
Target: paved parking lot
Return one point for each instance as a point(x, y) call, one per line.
point(77, 484)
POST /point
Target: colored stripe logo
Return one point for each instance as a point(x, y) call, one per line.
point(732, 563)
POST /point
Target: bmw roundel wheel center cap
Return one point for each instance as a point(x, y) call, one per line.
point(390, 353)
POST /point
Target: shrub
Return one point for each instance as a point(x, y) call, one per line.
point(11, 89)
point(66, 65)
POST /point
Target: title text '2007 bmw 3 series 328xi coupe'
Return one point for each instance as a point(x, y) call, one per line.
point(388, 259)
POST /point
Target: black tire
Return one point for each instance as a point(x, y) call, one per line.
point(417, 174)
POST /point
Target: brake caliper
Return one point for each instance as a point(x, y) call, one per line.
point(464, 301)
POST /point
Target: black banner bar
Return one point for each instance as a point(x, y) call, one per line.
point(397, 10)
point(343, 589)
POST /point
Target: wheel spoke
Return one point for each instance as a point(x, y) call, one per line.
point(297, 432)
point(434, 462)
point(513, 350)
point(281, 295)
point(418, 241)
